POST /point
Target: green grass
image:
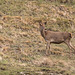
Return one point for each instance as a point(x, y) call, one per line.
point(23, 48)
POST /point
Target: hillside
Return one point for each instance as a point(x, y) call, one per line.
point(22, 48)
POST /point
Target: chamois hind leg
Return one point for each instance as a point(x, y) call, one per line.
point(68, 44)
point(72, 46)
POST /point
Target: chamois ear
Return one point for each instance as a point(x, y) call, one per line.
point(45, 23)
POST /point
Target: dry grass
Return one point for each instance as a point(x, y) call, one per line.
point(21, 46)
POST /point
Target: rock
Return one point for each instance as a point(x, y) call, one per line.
point(0, 27)
point(22, 73)
point(62, 13)
point(0, 58)
point(53, 19)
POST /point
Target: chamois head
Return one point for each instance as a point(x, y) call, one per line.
point(42, 23)
point(42, 26)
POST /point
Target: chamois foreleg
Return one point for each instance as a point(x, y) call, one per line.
point(47, 47)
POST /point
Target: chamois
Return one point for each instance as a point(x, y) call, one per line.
point(55, 37)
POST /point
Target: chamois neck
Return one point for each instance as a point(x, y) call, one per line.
point(42, 31)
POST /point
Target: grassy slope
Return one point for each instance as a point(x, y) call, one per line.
point(23, 48)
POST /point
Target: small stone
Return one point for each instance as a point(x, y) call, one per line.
point(0, 27)
point(0, 58)
point(21, 72)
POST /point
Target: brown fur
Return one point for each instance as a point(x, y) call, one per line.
point(55, 37)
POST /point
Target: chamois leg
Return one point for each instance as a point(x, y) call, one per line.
point(69, 49)
point(68, 44)
point(72, 47)
point(47, 48)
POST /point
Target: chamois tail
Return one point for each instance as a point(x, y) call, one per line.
point(72, 35)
